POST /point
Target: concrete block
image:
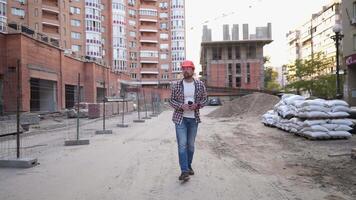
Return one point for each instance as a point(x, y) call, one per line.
point(19, 163)
point(139, 121)
point(103, 132)
point(122, 125)
point(75, 142)
point(146, 118)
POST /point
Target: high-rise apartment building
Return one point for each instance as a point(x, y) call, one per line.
point(313, 36)
point(142, 38)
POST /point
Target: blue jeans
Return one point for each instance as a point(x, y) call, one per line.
point(186, 133)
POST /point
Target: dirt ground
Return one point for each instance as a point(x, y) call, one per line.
point(236, 158)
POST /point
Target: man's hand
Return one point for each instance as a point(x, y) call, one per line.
point(194, 106)
point(186, 107)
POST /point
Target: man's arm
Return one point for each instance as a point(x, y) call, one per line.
point(201, 100)
point(172, 101)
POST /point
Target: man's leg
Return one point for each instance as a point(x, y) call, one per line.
point(192, 129)
point(181, 133)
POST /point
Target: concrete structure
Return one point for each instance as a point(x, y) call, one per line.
point(313, 36)
point(234, 63)
point(145, 39)
point(349, 49)
point(48, 76)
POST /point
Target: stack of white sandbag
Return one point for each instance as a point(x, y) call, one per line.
point(315, 119)
point(322, 109)
point(271, 118)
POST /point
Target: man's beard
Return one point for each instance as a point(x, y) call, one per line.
point(187, 75)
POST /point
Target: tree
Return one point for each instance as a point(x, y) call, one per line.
point(312, 76)
point(270, 79)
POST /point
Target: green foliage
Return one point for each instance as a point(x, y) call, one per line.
point(311, 75)
point(271, 79)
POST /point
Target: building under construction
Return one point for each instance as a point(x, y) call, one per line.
point(234, 62)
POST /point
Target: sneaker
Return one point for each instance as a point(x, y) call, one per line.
point(184, 176)
point(191, 171)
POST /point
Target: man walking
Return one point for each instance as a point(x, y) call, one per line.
point(187, 97)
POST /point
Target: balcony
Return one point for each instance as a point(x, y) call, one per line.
point(149, 71)
point(147, 81)
point(148, 19)
point(50, 22)
point(150, 29)
point(146, 39)
point(50, 7)
point(149, 61)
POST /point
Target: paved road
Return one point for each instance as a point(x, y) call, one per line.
point(139, 162)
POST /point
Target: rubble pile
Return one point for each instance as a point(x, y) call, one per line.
point(252, 105)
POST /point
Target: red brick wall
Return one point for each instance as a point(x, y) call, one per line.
point(50, 64)
point(254, 74)
point(2, 53)
point(217, 75)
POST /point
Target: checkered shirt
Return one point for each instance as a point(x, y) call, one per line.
point(177, 99)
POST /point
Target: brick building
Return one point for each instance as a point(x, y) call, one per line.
point(233, 62)
point(142, 38)
point(48, 77)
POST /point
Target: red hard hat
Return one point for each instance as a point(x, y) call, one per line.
point(187, 64)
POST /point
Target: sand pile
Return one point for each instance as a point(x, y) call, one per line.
point(252, 105)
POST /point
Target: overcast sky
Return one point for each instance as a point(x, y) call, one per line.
point(284, 15)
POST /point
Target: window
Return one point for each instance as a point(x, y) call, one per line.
point(163, 46)
point(75, 22)
point(251, 52)
point(163, 26)
point(163, 5)
point(2, 9)
point(36, 26)
point(132, 13)
point(36, 12)
point(133, 56)
point(248, 75)
point(132, 23)
point(229, 68)
point(149, 12)
point(75, 48)
point(165, 76)
point(75, 35)
point(74, 10)
point(133, 65)
point(163, 36)
point(165, 66)
point(238, 81)
point(132, 44)
point(163, 15)
point(216, 53)
point(229, 53)
point(132, 33)
point(149, 54)
point(131, 2)
point(133, 76)
point(18, 12)
point(238, 68)
point(230, 81)
point(163, 56)
point(237, 52)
